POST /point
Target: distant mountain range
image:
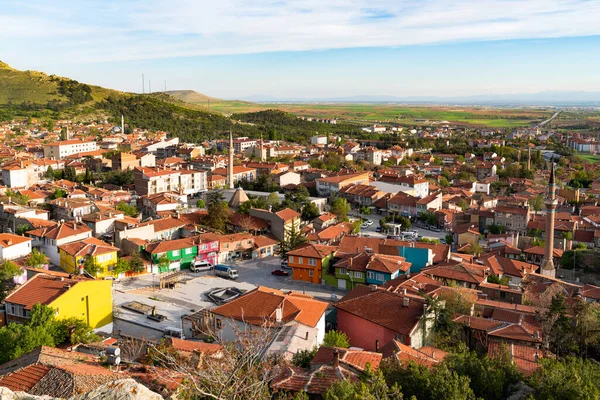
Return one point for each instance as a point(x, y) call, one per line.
point(549, 98)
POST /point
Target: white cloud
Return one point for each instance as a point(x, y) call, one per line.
point(88, 31)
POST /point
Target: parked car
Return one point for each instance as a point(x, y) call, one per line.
point(369, 222)
point(279, 272)
point(364, 226)
point(200, 266)
point(378, 229)
point(284, 264)
point(226, 271)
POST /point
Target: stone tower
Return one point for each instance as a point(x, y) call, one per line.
point(230, 166)
point(551, 203)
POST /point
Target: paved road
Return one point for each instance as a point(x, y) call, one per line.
point(549, 119)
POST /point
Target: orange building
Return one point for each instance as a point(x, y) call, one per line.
point(309, 262)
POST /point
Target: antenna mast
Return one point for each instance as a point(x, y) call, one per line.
point(143, 84)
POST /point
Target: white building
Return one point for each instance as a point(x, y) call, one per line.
point(318, 140)
point(14, 246)
point(60, 150)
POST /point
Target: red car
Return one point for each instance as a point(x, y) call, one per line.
point(279, 272)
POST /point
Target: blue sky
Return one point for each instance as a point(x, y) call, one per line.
point(312, 48)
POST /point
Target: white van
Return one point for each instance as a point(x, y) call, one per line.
point(200, 266)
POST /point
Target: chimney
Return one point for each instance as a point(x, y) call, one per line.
point(350, 261)
point(278, 314)
point(404, 291)
point(536, 335)
point(373, 288)
point(154, 311)
point(336, 358)
point(405, 301)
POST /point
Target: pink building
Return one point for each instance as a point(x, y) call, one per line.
point(372, 317)
point(208, 250)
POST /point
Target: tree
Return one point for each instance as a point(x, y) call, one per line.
point(36, 259)
point(492, 278)
point(310, 212)
point(164, 262)
point(273, 201)
point(489, 378)
point(58, 193)
point(8, 271)
point(567, 235)
point(49, 174)
point(463, 204)
point(567, 378)
point(403, 221)
point(200, 204)
point(43, 329)
point(340, 208)
point(22, 228)
point(302, 358)
point(336, 339)
point(293, 238)
point(372, 386)
point(91, 266)
point(219, 212)
point(449, 238)
point(536, 203)
point(127, 209)
point(137, 264)
point(122, 267)
point(496, 229)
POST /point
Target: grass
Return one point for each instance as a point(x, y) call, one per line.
point(398, 114)
point(589, 158)
point(36, 87)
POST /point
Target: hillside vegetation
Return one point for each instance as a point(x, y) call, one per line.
point(191, 97)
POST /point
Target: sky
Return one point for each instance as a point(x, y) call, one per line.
point(310, 49)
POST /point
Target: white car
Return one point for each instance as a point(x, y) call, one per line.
point(369, 222)
point(364, 225)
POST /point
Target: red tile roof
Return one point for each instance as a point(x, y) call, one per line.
point(259, 307)
point(41, 289)
point(373, 304)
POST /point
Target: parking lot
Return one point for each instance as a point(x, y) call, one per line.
point(371, 230)
point(252, 273)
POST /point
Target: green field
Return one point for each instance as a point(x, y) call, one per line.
point(589, 158)
point(399, 114)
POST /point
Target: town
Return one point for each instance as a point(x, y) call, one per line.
point(334, 257)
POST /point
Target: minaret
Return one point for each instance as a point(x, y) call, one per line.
point(230, 166)
point(262, 157)
point(551, 203)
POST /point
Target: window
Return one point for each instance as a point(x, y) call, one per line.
point(104, 257)
point(214, 245)
point(202, 247)
point(312, 261)
point(188, 250)
point(175, 253)
point(342, 271)
point(300, 260)
point(291, 259)
point(358, 275)
point(370, 275)
point(310, 272)
point(379, 277)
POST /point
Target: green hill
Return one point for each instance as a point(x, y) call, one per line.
point(38, 88)
point(35, 94)
point(191, 97)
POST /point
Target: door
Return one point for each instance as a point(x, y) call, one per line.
point(341, 284)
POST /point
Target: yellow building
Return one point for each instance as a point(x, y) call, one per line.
point(73, 255)
point(79, 297)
